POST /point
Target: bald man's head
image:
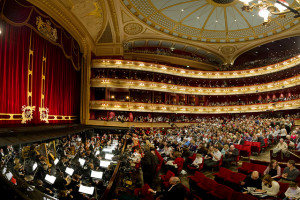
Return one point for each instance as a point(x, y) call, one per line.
point(174, 180)
point(255, 175)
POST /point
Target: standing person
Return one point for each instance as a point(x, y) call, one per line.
point(148, 163)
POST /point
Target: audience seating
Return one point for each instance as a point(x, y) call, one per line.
point(255, 147)
point(234, 181)
point(165, 178)
point(179, 164)
point(160, 161)
point(143, 193)
point(221, 192)
point(241, 196)
point(219, 164)
point(194, 168)
point(192, 158)
point(222, 174)
point(245, 150)
point(282, 190)
point(250, 167)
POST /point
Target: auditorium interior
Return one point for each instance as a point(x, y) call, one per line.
point(149, 99)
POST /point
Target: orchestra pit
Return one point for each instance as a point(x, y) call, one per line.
point(149, 99)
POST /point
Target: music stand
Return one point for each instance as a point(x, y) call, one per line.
point(56, 161)
point(34, 166)
point(9, 175)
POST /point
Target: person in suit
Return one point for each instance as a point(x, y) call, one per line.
point(148, 163)
point(230, 155)
point(175, 191)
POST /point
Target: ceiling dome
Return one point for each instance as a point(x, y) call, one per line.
point(214, 21)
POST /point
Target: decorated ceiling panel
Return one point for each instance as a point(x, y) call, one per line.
point(208, 20)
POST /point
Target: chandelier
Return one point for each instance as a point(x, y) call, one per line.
point(268, 8)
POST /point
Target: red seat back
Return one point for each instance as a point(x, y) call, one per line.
point(247, 165)
point(259, 168)
point(282, 189)
point(223, 172)
point(222, 191)
point(247, 143)
point(199, 176)
point(207, 184)
point(237, 177)
point(169, 175)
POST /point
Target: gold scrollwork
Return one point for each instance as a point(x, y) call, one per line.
point(46, 29)
point(27, 114)
point(44, 114)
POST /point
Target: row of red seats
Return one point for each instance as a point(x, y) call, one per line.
point(247, 168)
point(210, 189)
point(233, 179)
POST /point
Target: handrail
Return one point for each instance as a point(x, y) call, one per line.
point(152, 67)
point(112, 180)
point(179, 89)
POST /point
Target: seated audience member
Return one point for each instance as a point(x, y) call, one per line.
point(230, 155)
point(175, 191)
point(260, 139)
point(198, 161)
point(215, 156)
point(269, 186)
point(239, 140)
point(281, 146)
point(290, 173)
point(293, 192)
point(201, 149)
point(225, 150)
point(274, 170)
point(252, 180)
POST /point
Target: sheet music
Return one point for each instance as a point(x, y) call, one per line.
point(108, 156)
point(50, 179)
point(104, 163)
point(96, 174)
point(86, 190)
point(69, 171)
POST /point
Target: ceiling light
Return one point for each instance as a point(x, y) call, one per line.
point(216, 20)
point(182, 10)
point(198, 17)
point(268, 8)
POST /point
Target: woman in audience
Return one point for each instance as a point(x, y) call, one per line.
point(273, 170)
point(269, 186)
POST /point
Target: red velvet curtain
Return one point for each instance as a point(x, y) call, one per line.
point(62, 82)
point(14, 51)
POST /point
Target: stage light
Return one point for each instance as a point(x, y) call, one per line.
point(34, 166)
point(50, 179)
point(81, 161)
point(69, 171)
point(96, 174)
point(108, 156)
point(86, 190)
point(104, 163)
point(56, 161)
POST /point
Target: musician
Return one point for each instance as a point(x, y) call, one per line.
point(2, 154)
point(41, 188)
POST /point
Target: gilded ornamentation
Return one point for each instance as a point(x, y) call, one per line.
point(27, 114)
point(133, 28)
point(227, 50)
point(44, 114)
point(46, 29)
